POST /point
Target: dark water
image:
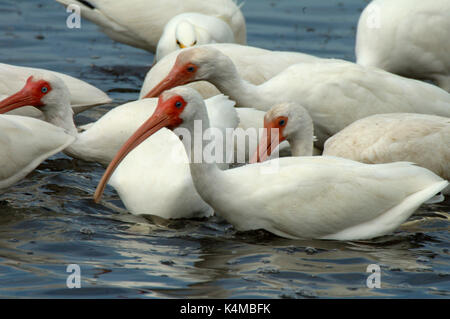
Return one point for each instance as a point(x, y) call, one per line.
point(49, 220)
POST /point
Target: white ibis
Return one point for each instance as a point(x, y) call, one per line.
point(382, 138)
point(336, 93)
point(293, 197)
point(253, 64)
point(406, 37)
point(140, 23)
point(100, 142)
point(25, 143)
point(289, 122)
point(82, 94)
point(190, 29)
point(155, 179)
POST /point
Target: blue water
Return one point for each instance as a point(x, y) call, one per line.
point(49, 220)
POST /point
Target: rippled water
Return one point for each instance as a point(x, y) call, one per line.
point(49, 220)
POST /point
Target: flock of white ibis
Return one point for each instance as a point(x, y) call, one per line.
point(369, 142)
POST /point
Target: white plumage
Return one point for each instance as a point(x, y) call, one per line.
point(140, 23)
point(26, 142)
point(383, 138)
point(190, 29)
point(100, 141)
point(336, 93)
point(253, 64)
point(321, 197)
point(407, 37)
point(82, 94)
point(154, 178)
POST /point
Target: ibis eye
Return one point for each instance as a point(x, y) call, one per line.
point(44, 89)
point(178, 104)
point(190, 69)
point(195, 42)
point(281, 122)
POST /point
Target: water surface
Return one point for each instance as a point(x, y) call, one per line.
point(49, 220)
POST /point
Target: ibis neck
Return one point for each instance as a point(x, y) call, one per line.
point(302, 142)
point(302, 145)
point(243, 92)
point(61, 117)
point(205, 173)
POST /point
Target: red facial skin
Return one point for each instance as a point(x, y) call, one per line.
point(167, 114)
point(272, 137)
point(31, 94)
point(179, 75)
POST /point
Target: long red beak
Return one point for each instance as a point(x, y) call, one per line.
point(269, 141)
point(157, 121)
point(174, 78)
point(19, 99)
